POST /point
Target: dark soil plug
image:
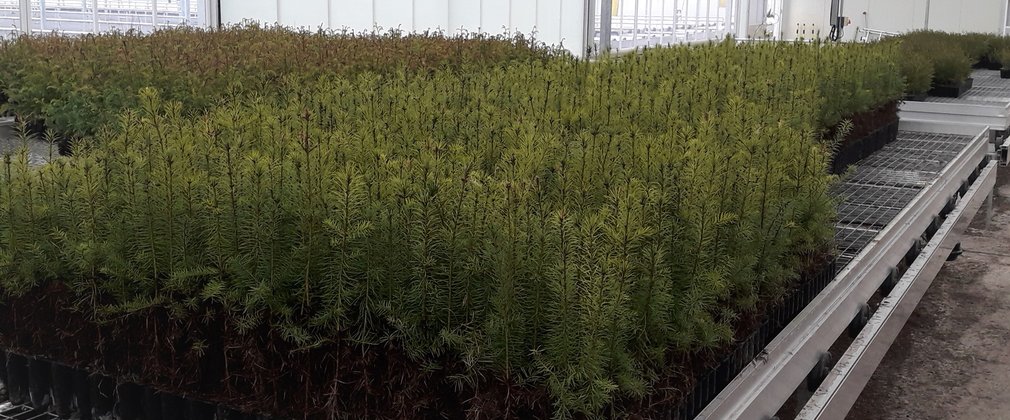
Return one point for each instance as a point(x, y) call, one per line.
point(3, 374)
point(228, 414)
point(39, 381)
point(103, 391)
point(197, 410)
point(17, 375)
point(172, 407)
point(63, 390)
point(152, 404)
point(82, 394)
point(130, 404)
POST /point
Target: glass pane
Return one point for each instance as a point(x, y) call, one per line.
point(643, 23)
point(86, 16)
point(10, 20)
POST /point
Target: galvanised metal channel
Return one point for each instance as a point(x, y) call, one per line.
point(886, 207)
point(842, 386)
point(900, 215)
point(869, 199)
point(885, 183)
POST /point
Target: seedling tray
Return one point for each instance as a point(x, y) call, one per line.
point(951, 91)
point(41, 390)
point(854, 151)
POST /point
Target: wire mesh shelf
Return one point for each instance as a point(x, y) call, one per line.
point(10, 411)
point(883, 184)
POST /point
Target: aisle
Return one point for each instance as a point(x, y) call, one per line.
point(952, 359)
point(38, 151)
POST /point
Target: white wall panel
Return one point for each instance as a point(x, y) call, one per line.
point(972, 15)
point(355, 15)
point(555, 21)
point(304, 13)
point(494, 16)
point(806, 19)
point(549, 20)
point(394, 14)
point(572, 27)
point(431, 14)
point(464, 14)
point(885, 15)
point(945, 15)
point(235, 11)
point(899, 15)
point(523, 16)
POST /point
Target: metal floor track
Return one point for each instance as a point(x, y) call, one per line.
point(885, 183)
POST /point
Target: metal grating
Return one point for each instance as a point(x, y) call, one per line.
point(851, 240)
point(868, 215)
point(9, 411)
point(885, 183)
point(894, 197)
point(961, 100)
point(987, 78)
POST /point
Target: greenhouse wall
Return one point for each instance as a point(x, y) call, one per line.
point(803, 18)
point(966, 15)
point(885, 15)
point(554, 21)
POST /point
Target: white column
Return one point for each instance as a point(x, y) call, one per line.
point(708, 19)
point(42, 15)
point(94, 17)
point(742, 18)
point(209, 14)
point(25, 15)
point(606, 24)
point(634, 35)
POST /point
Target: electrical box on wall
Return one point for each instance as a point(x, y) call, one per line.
point(807, 30)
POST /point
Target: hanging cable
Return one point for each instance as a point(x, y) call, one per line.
point(837, 21)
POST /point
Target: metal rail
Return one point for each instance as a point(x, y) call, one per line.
point(872, 35)
point(1003, 152)
point(760, 389)
point(987, 103)
point(969, 115)
point(839, 391)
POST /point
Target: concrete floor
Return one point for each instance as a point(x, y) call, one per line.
point(952, 359)
point(38, 151)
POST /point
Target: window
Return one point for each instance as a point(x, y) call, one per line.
point(642, 23)
point(86, 16)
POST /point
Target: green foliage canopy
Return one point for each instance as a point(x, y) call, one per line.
point(558, 221)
